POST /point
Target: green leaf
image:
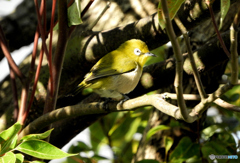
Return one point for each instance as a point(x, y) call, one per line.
point(209, 131)
point(148, 161)
point(36, 136)
point(8, 138)
point(173, 7)
point(168, 142)
point(185, 150)
point(19, 158)
point(225, 4)
point(41, 149)
point(9, 157)
point(153, 130)
point(74, 14)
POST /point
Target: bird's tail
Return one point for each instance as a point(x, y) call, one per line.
point(78, 89)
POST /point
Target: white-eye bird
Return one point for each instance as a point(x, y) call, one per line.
point(118, 72)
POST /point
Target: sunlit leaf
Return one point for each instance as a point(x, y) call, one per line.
point(168, 142)
point(9, 157)
point(154, 130)
point(37, 136)
point(209, 131)
point(41, 149)
point(173, 7)
point(8, 138)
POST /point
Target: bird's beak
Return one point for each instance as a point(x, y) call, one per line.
point(150, 54)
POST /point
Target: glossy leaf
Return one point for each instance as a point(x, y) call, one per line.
point(37, 136)
point(173, 7)
point(153, 130)
point(9, 157)
point(41, 149)
point(8, 138)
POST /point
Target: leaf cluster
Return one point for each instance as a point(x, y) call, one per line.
point(13, 150)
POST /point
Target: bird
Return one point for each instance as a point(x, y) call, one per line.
point(118, 72)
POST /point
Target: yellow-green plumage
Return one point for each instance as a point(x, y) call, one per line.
point(119, 71)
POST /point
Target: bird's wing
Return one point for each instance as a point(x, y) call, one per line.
point(106, 68)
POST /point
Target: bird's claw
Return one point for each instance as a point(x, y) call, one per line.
point(120, 104)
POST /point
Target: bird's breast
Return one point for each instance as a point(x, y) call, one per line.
point(126, 82)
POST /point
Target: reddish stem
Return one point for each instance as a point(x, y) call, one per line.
point(218, 33)
point(44, 43)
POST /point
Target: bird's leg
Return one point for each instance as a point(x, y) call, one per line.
point(107, 100)
point(123, 100)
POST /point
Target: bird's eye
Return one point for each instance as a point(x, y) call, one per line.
point(137, 51)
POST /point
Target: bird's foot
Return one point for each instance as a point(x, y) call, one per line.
point(120, 104)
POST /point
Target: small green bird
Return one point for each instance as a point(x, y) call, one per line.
point(118, 72)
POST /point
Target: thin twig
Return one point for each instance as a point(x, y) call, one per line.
point(194, 97)
point(15, 95)
point(226, 105)
point(233, 48)
point(87, 7)
point(217, 31)
point(190, 55)
point(99, 17)
point(44, 43)
point(204, 104)
point(7, 54)
point(179, 61)
point(35, 82)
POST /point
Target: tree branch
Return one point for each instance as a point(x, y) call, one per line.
point(179, 61)
point(190, 56)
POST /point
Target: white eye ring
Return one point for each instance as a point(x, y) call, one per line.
point(137, 51)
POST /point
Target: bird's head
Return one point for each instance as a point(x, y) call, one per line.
point(136, 50)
